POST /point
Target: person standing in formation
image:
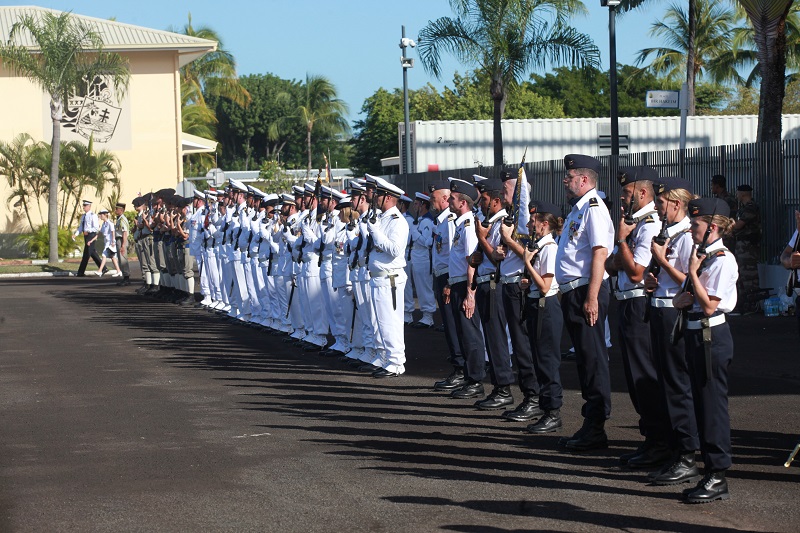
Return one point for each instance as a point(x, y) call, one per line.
point(122, 232)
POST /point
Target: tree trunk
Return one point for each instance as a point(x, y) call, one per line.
point(691, 66)
point(52, 211)
point(27, 213)
point(498, 93)
point(772, 57)
point(308, 148)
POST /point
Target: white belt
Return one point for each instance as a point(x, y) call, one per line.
point(713, 321)
point(441, 271)
point(384, 273)
point(536, 293)
point(627, 295)
point(457, 279)
point(513, 278)
point(574, 284)
point(660, 303)
point(484, 279)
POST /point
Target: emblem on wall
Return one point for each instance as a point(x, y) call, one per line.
point(94, 114)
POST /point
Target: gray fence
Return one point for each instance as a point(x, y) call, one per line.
point(773, 170)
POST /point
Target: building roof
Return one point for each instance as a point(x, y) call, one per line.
point(117, 36)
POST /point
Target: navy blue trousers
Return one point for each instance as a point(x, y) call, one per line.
point(456, 358)
point(493, 319)
point(546, 349)
point(468, 333)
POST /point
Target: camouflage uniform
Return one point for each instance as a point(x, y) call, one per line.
point(730, 240)
point(747, 252)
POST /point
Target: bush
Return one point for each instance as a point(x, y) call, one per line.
point(38, 242)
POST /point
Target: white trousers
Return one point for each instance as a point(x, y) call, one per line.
point(423, 284)
point(343, 317)
point(408, 295)
point(388, 322)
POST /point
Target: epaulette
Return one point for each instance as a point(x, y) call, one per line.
point(451, 217)
point(649, 219)
point(395, 215)
point(466, 223)
point(593, 202)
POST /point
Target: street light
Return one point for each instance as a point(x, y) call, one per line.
point(407, 63)
point(612, 37)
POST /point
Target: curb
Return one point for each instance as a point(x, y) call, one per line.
point(37, 275)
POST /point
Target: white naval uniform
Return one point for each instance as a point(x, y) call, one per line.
point(363, 294)
point(291, 236)
point(408, 297)
point(679, 252)
point(422, 241)
point(387, 263)
point(110, 242)
point(326, 231)
point(311, 297)
point(343, 319)
point(719, 275)
point(639, 243)
point(589, 217)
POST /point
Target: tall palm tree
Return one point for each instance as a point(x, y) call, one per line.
point(505, 39)
point(214, 73)
point(768, 18)
point(712, 42)
point(68, 51)
point(90, 168)
point(315, 106)
point(18, 166)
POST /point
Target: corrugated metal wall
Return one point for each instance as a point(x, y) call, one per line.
point(773, 169)
point(462, 144)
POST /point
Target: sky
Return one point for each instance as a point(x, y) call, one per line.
point(354, 43)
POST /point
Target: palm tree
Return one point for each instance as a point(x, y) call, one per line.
point(315, 105)
point(768, 18)
point(90, 168)
point(505, 39)
point(18, 166)
point(68, 51)
point(197, 119)
point(214, 73)
point(712, 42)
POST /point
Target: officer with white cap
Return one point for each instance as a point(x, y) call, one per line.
point(88, 227)
point(241, 303)
point(404, 205)
point(386, 266)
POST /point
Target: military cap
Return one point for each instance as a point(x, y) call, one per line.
point(211, 192)
point(287, 199)
point(309, 189)
point(269, 200)
point(718, 179)
point(120, 204)
point(86, 202)
point(671, 184)
point(464, 187)
point(164, 193)
point(422, 196)
point(370, 181)
point(541, 207)
point(700, 207)
point(136, 202)
point(346, 201)
point(631, 174)
point(439, 185)
point(238, 186)
point(478, 178)
point(337, 195)
point(325, 192)
point(103, 211)
point(745, 188)
point(406, 199)
point(576, 161)
point(356, 188)
point(507, 176)
point(490, 185)
point(297, 191)
point(199, 195)
point(383, 187)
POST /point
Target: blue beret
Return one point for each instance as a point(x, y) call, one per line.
point(701, 207)
point(439, 185)
point(630, 174)
point(539, 207)
point(575, 161)
point(465, 188)
point(490, 185)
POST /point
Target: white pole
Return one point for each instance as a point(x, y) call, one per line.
point(684, 103)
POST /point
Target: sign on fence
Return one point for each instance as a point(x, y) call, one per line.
point(663, 99)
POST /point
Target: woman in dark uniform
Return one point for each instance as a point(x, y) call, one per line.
point(709, 293)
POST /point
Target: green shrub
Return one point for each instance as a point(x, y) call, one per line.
point(38, 242)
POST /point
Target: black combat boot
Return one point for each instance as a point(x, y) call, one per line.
point(500, 397)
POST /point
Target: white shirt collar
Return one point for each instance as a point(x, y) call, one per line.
point(443, 215)
point(714, 246)
point(468, 215)
point(547, 239)
point(591, 193)
point(646, 210)
point(500, 214)
point(678, 227)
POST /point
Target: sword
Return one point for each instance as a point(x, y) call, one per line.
point(291, 297)
point(353, 319)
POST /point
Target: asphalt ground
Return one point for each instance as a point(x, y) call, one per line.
point(119, 413)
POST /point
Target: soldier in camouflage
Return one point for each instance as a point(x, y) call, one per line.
point(747, 232)
point(719, 190)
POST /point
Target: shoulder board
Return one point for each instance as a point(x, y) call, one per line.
point(721, 252)
point(395, 215)
point(466, 223)
point(649, 219)
point(451, 217)
point(593, 202)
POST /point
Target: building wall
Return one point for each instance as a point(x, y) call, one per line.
point(148, 149)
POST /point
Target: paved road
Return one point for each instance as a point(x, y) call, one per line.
point(118, 414)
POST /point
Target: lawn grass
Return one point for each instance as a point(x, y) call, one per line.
point(57, 267)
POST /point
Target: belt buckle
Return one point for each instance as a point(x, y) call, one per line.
point(705, 322)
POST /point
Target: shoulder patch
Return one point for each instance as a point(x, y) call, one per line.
point(649, 219)
point(451, 217)
point(593, 202)
point(395, 215)
point(466, 223)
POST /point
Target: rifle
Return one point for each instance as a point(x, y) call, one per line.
point(627, 215)
point(654, 268)
point(513, 217)
point(677, 329)
point(373, 218)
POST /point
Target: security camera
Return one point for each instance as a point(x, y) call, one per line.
point(404, 42)
point(610, 3)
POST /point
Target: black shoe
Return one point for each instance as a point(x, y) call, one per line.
point(383, 373)
point(568, 356)
point(643, 447)
point(682, 470)
point(368, 367)
point(454, 381)
point(357, 363)
point(594, 438)
point(309, 347)
point(653, 456)
point(712, 487)
point(440, 329)
point(330, 353)
point(142, 289)
point(420, 325)
point(527, 410)
point(125, 283)
point(549, 423)
point(578, 434)
point(471, 389)
point(499, 398)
